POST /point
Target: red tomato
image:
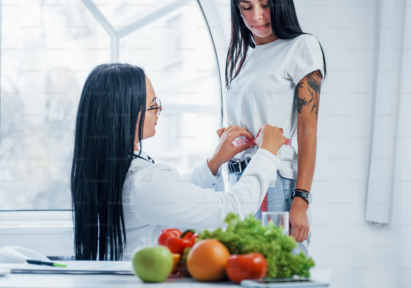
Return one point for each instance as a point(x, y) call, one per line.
point(178, 245)
point(167, 233)
point(251, 266)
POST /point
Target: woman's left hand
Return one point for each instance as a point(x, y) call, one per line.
point(299, 220)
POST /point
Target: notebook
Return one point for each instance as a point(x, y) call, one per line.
point(74, 267)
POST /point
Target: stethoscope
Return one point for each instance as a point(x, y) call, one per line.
point(134, 156)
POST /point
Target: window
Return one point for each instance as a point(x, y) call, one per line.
point(47, 51)
point(174, 50)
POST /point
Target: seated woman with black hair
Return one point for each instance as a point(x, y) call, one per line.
point(118, 192)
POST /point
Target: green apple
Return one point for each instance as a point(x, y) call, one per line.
point(153, 264)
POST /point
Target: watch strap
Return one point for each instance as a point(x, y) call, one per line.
point(304, 195)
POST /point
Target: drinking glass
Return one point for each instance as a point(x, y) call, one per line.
point(278, 218)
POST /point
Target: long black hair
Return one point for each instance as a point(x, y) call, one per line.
point(285, 25)
point(111, 100)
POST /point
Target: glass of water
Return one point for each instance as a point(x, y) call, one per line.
point(278, 218)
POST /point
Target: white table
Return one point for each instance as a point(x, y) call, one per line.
point(117, 281)
point(94, 281)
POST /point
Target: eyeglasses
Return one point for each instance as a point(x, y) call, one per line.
point(157, 106)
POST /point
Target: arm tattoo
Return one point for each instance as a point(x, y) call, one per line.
point(314, 87)
point(301, 102)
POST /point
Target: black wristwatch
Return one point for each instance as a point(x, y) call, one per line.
point(305, 195)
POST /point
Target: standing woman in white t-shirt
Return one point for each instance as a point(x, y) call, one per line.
point(273, 76)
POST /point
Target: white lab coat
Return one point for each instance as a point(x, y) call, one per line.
point(156, 197)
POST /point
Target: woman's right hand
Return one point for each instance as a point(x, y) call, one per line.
point(226, 150)
point(270, 138)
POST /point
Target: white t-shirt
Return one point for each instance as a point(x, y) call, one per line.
point(263, 92)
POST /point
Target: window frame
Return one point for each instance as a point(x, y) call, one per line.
point(30, 222)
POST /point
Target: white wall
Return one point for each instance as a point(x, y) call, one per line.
point(359, 254)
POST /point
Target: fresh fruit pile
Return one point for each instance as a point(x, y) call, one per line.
point(245, 250)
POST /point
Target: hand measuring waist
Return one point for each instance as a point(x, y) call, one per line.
point(243, 140)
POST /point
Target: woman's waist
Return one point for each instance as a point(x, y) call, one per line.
point(285, 153)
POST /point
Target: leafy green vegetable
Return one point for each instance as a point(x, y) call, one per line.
point(242, 237)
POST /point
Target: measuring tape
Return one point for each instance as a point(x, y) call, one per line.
point(247, 141)
point(240, 142)
point(264, 204)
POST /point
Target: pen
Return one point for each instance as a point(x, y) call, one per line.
point(38, 262)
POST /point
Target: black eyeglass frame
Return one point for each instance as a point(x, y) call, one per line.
point(158, 102)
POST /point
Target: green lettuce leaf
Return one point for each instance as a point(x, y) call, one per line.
point(242, 237)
